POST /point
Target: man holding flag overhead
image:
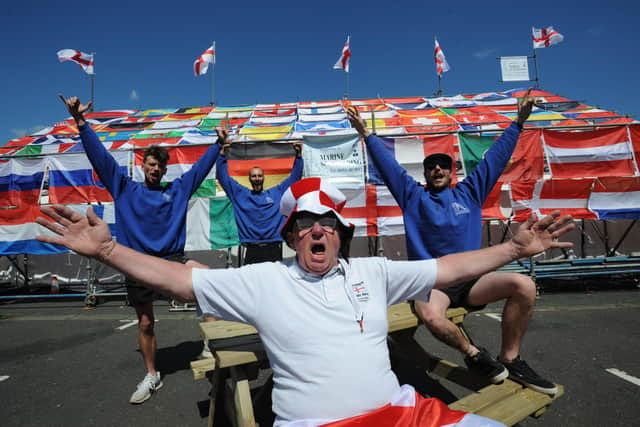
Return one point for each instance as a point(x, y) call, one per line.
point(150, 218)
point(323, 317)
point(256, 209)
point(440, 220)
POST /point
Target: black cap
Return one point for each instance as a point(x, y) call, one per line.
point(444, 160)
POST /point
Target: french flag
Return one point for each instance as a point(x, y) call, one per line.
point(73, 180)
point(598, 153)
point(616, 198)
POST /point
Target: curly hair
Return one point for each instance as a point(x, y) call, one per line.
point(161, 154)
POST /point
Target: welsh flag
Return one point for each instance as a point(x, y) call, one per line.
point(210, 224)
point(526, 162)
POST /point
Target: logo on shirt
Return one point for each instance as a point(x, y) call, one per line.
point(360, 291)
point(459, 209)
point(269, 200)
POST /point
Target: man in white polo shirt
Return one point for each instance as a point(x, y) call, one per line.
point(323, 317)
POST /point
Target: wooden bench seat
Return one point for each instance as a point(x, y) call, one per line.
point(237, 346)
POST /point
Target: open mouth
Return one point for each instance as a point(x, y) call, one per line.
point(318, 248)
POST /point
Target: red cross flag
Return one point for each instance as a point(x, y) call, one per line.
point(201, 65)
point(545, 37)
point(84, 60)
point(441, 62)
point(343, 61)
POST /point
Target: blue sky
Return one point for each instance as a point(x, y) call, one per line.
point(284, 51)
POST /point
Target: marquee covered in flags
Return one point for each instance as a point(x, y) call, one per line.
point(571, 156)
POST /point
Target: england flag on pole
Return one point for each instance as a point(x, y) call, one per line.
point(545, 37)
point(343, 61)
point(201, 65)
point(441, 62)
point(84, 60)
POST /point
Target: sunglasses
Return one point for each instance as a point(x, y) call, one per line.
point(328, 223)
point(432, 165)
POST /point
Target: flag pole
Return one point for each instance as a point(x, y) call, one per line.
point(439, 93)
point(535, 68)
point(346, 85)
point(92, 87)
point(213, 78)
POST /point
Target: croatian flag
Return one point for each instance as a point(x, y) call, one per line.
point(201, 65)
point(84, 60)
point(570, 196)
point(616, 198)
point(441, 62)
point(598, 153)
point(343, 61)
point(545, 37)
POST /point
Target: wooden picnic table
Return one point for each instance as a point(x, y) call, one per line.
point(238, 353)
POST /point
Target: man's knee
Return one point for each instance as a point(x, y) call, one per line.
point(431, 314)
point(524, 286)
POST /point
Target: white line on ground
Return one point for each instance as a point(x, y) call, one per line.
point(624, 376)
point(126, 325)
point(494, 316)
point(4, 377)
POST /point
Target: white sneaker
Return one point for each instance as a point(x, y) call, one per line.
point(206, 353)
point(146, 387)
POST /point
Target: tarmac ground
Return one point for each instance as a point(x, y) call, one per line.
point(64, 365)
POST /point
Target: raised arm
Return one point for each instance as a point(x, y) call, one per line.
point(198, 172)
point(395, 177)
point(90, 236)
point(101, 160)
point(533, 236)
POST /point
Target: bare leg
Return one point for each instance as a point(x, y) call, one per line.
point(146, 336)
point(520, 294)
point(434, 316)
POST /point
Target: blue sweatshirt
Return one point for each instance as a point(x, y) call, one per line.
point(445, 222)
point(149, 220)
point(257, 215)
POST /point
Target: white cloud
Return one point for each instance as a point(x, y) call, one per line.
point(133, 96)
point(484, 53)
point(20, 132)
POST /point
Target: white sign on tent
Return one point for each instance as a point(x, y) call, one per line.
point(514, 68)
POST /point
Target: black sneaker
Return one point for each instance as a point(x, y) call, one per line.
point(485, 365)
point(521, 372)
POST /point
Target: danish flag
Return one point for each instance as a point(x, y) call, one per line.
point(201, 65)
point(84, 60)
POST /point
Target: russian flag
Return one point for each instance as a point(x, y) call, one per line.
point(616, 198)
point(18, 229)
point(598, 153)
point(21, 181)
point(73, 180)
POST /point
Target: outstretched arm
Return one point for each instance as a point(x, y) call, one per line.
point(90, 236)
point(533, 236)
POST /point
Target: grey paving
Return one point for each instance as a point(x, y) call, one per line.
point(73, 367)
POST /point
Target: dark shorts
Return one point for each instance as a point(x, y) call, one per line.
point(458, 295)
point(138, 294)
point(262, 252)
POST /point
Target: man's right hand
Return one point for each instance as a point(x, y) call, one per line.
point(76, 108)
point(357, 121)
point(223, 140)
